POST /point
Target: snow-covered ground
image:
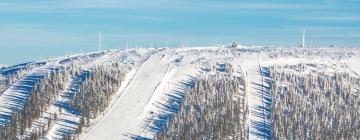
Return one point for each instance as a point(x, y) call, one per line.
point(69, 120)
point(354, 64)
point(154, 74)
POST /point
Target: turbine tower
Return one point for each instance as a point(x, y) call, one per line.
point(99, 42)
point(303, 38)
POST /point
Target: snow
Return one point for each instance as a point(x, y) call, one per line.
point(153, 74)
point(136, 96)
point(176, 65)
point(14, 97)
point(354, 64)
point(157, 77)
point(257, 120)
point(68, 121)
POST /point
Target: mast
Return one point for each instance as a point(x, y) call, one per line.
point(303, 38)
point(127, 45)
point(99, 41)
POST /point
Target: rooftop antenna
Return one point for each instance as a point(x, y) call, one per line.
point(303, 38)
point(99, 42)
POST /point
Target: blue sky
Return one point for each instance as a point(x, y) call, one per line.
point(35, 29)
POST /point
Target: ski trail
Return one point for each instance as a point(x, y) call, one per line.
point(129, 80)
point(258, 100)
point(134, 96)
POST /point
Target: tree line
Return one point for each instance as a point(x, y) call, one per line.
point(40, 97)
point(91, 99)
point(95, 92)
point(8, 79)
point(214, 108)
point(314, 104)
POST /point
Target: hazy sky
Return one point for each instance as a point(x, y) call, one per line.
point(34, 29)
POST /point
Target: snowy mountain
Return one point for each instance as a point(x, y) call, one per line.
point(240, 92)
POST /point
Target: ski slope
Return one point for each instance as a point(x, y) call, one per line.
point(154, 74)
point(68, 120)
point(166, 70)
point(258, 89)
point(136, 95)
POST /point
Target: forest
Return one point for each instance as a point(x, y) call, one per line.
point(314, 104)
point(91, 99)
point(37, 101)
point(9, 78)
point(95, 92)
point(214, 108)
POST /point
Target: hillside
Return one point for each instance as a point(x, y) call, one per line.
point(185, 93)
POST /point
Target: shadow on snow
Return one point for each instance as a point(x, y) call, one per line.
point(157, 121)
point(263, 125)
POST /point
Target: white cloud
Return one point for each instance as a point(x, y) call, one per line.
point(330, 18)
point(154, 36)
point(336, 36)
point(69, 5)
point(65, 6)
point(25, 35)
point(272, 6)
